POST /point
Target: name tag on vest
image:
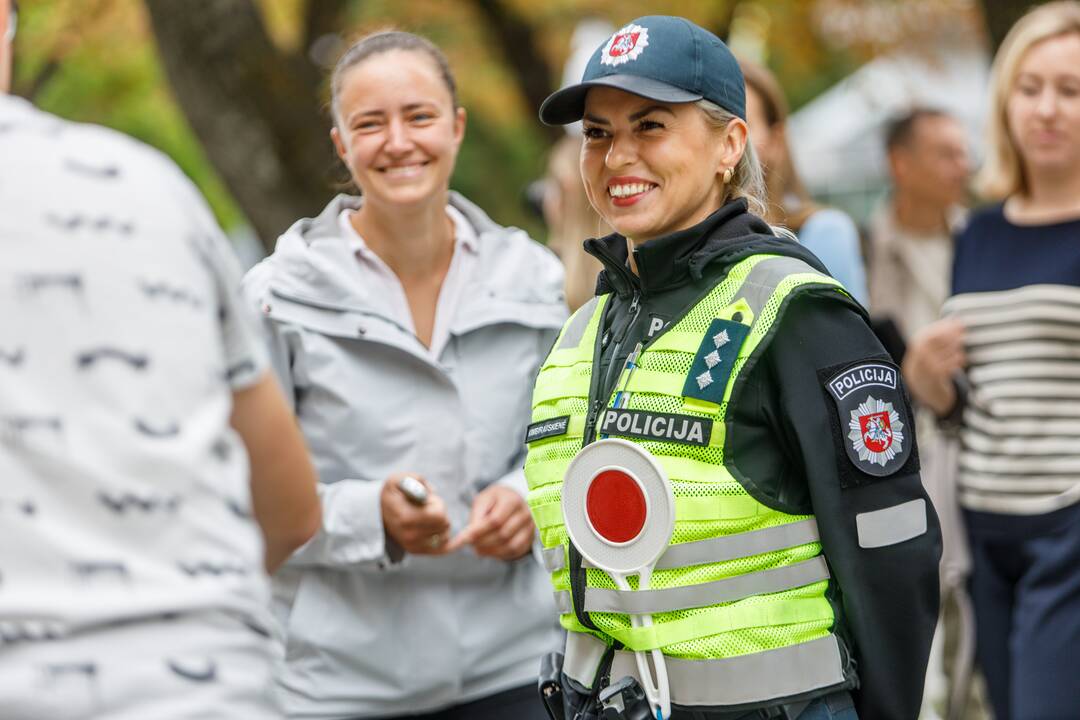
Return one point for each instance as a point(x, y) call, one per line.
point(551, 427)
point(664, 427)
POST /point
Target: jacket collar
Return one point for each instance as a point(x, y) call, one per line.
point(314, 263)
point(664, 263)
point(313, 267)
point(324, 226)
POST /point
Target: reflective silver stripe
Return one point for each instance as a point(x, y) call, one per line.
point(554, 558)
point(757, 677)
point(582, 657)
point(759, 285)
point(719, 549)
point(891, 525)
point(714, 593)
point(746, 544)
point(562, 602)
point(576, 329)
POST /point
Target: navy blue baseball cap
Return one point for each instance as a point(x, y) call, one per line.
point(660, 57)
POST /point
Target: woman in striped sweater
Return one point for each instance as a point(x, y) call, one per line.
point(1003, 367)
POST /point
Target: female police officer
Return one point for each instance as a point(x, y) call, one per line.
point(801, 576)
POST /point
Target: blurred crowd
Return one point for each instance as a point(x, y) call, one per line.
point(406, 580)
point(902, 265)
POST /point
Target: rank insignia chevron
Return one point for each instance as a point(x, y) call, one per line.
point(715, 359)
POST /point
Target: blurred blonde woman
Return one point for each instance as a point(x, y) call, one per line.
point(827, 232)
point(1003, 369)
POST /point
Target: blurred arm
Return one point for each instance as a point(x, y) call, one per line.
point(934, 359)
point(833, 237)
point(283, 481)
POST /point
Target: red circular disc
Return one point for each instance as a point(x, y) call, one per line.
point(616, 506)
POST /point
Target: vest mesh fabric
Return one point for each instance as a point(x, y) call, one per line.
point(786, 618)
point(556, 453)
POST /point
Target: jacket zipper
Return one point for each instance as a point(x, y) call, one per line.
point(597, 398)
point(600, 391)
point(595, 404)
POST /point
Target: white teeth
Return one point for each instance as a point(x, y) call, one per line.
point(621, 191)
point(403, 169)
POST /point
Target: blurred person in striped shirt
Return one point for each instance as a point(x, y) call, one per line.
point(1003, 369)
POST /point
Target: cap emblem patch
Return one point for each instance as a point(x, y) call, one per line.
point(625, 45)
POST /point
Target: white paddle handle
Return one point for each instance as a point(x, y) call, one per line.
point(657, 691)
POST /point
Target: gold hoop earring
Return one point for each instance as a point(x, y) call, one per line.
point(727, 176)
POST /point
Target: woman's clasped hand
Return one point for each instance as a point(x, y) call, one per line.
point(499, 526)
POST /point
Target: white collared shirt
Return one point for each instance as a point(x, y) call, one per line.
point(390, 287)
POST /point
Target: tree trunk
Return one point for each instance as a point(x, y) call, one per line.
point(1001, 15)
point(516, 40)
point(255, 109)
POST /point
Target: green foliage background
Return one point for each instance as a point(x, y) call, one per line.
point(95, 61)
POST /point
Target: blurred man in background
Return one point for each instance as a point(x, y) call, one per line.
point(143, 441)
point(910, 276)
point(911, 232)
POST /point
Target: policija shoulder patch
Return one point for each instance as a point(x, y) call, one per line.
point(874, 425)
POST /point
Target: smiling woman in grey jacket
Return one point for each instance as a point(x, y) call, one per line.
point(407, 328)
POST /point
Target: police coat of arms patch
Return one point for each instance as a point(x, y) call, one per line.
point(871, 408)
point(877, 433)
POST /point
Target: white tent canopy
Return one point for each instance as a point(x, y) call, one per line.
point(837, 139)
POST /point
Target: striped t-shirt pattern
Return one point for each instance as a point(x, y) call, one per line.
point(1017, 291)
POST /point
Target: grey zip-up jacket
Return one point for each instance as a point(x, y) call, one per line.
point(371, 632)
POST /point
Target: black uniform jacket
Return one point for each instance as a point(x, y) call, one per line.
point(790, 439)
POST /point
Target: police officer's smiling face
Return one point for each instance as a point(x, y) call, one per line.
point(397, 130)
point(650, 168)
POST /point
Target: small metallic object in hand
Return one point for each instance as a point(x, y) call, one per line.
point(414, 490)
point(435, 541)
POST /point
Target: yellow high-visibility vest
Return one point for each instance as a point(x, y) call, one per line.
point(738, 599)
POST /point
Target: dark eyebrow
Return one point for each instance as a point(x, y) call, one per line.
point(645, 111)
point(633, 117)
point(365, 113)
point(380, 113)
